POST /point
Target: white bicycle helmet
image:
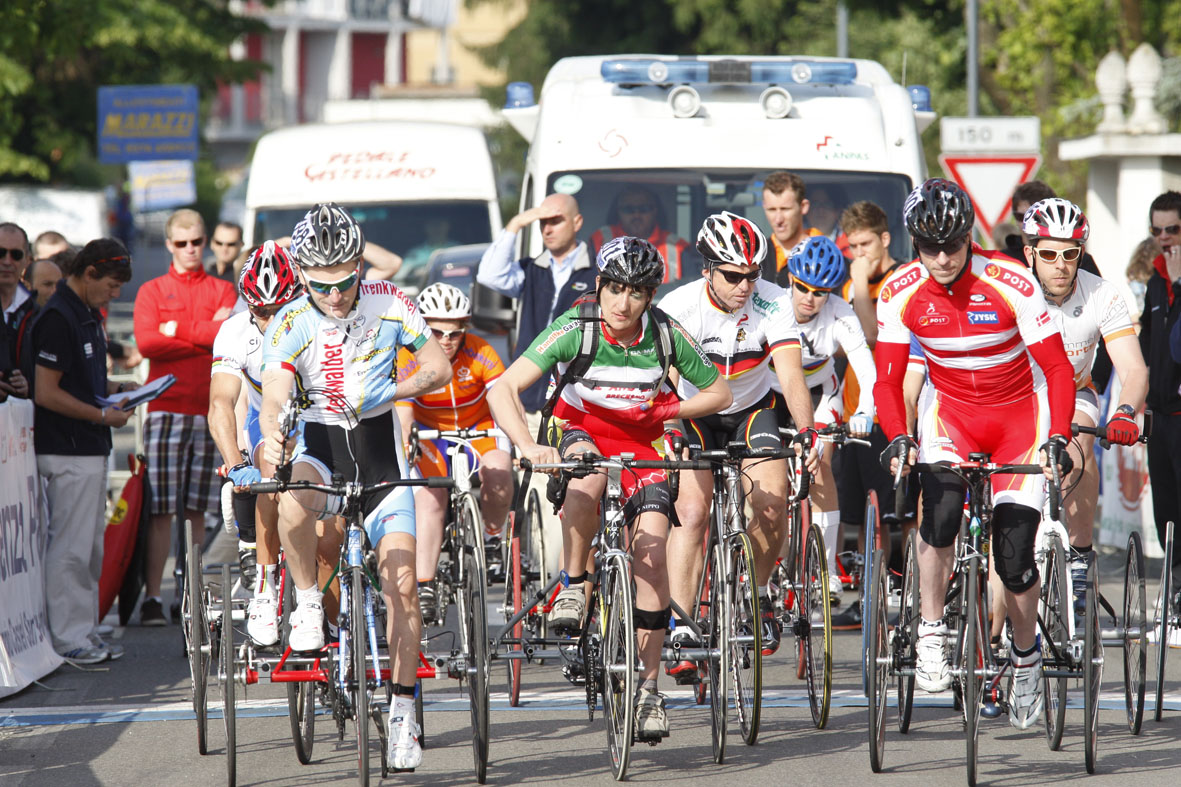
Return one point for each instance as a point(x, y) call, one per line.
point(1056, 218)
point(728, 239)
point(444, 302)
point(327, 235)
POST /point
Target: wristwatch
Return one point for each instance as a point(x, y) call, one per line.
point(1126, 409)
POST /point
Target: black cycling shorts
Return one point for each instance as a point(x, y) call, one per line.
point(757, 427)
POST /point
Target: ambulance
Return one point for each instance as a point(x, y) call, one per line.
point(696, 135)
point(414, 187)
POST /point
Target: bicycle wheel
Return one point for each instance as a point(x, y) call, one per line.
point(1056, 602)
point(533, 562)
point(228, 677)
point(196, 637)
point(717, 640)
point(418, 713)
point(473, 588)
point(873, 542)
point(746, 646)
point(514, 580)
point(301, 711)
point(1092, 666)
point(618, 657)
point(358, 662)
point(1164, 610)
point(877, 628)
point(973, 660)
point(815, 624)
point(1135, 633)
point(906, 633)
point(803, 513)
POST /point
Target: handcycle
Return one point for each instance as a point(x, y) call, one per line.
point(1166, 620)
point(892, 653)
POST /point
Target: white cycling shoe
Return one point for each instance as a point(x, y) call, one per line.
point(404, 752)
point(1025, 693)
point(262, 620)
point(307, 627)
point(932, 672)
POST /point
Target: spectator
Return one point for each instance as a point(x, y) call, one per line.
point(41, 277)
point(15, 302)
point(638, 212)
point(1162, 308)
point(785, 208)
point(177, 317)
point(72, 438)
point(1139, 270)
point(226, 245)
point(49, 243)
point(1001, 234)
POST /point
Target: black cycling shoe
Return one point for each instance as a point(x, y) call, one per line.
point(771, 628)
point(494, 560)
point(248, 567)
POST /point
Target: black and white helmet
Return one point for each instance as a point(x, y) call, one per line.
point(631, 261)
point(443, 302)
point(729, 239)
point(939, 211)
point(327, 235)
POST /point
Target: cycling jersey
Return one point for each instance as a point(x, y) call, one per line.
point(852, 392)
point(461, 404)
point(975, 334)
point(354, 356)
point(1094, 309)
point(738, 343)
point(237, 351)
point(621, 377)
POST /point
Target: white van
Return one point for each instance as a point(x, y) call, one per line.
point(414, 187)
point(699, 134)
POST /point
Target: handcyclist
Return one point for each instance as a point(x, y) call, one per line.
point(619, 405)
point(1086, 310)
point(341, 340)
point(981, 321)
point(475, 366)
point(827, 324)
point(743, 323)
point(267, 282)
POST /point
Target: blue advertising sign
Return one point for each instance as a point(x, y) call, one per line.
point(161, 185)
point(147, 123)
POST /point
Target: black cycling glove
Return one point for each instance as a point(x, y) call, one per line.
point(898, 448)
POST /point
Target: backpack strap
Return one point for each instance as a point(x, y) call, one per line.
point(589, 319)
point(665, 351)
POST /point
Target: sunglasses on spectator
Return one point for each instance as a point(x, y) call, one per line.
point(326, 287)
point(933, 249)
point(197, 242)
point(217, 242)
point(1172, 229)
point(819, 292)
point(630, 209)
point(447, 335)
point(16, 254)
point(734, 277)
point(1052, 255)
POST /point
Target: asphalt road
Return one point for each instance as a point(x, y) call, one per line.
point(130, 723)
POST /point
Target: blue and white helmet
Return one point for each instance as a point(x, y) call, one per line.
point(818, 262)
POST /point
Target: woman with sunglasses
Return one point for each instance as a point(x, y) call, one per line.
point(743, 323)
point(460, 405)
point(1086, 310)
point(982, 323)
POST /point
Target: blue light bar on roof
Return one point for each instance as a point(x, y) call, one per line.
point(732, 72)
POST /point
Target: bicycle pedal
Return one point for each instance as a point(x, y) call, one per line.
point(401, 770)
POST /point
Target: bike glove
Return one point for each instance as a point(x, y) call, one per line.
point(860, 424)
point(244, 473)
point(1122, 429)
point(898, 448)
point(1056, 454)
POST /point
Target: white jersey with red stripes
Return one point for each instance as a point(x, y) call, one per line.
point(1095, 310)
point(237, 350)
point(739, 343)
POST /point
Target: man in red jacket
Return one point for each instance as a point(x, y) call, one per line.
point(177, 316)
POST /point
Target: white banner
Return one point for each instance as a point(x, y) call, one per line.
point(26, 651)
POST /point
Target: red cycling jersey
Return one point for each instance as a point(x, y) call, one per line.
point(975, 334)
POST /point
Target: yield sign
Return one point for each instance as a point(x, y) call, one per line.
point(990, 181)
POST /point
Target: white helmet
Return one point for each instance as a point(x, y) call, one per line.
point(444, 302)
point(1056, 218)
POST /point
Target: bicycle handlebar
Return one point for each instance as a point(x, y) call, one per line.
point(348, 488)
point(981, 470)
point(458, 434)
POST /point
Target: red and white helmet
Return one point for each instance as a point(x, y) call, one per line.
point(268, 278)
point(728, 239)
point(1056, 218)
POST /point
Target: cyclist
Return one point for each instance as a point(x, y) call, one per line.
point(978, 318)
point(267, 282)
point(459, 405)
point(817, 268)
point(1086, 309)
point(618, 406)
point(742, 322)
point(341, 338)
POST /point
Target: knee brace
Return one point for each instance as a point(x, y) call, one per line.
point(943, 508)
point(652, 621)
point(1014, 528)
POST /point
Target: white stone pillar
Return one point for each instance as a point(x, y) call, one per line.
point(289, 84)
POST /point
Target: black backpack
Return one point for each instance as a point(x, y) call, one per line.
point(589, 318)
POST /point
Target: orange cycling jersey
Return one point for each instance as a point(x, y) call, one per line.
point(462, 404)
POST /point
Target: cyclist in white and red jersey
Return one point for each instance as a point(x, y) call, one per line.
point(1086, 310)
point(743, 322)
point(981, 321)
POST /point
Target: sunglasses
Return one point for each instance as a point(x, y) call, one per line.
point(933, 249)
point(217, 242)
point(630, 209)
point(1052, 255)
point(1172, 229)
point(16, 254)
point(264, 312)
point(734, 277)
point(326, 287)
point(197, 242)
point(446, 335)
point(819, 292)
